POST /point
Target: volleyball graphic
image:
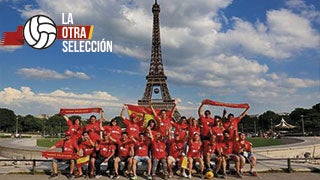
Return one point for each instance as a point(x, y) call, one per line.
point(40, 32)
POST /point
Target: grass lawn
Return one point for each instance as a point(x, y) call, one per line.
point(261, 142)
point(47, 142)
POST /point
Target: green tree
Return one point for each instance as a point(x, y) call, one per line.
point(30, 123)
point(7, 120)
point(268, 119)
point(55, 124)
point(247, 123)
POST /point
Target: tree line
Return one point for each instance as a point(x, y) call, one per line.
point(310, 118)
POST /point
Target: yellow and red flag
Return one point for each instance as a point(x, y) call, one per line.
point(142, 112)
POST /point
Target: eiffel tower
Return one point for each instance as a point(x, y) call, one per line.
point(156, 78)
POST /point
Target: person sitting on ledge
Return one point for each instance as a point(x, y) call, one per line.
point(69, 146)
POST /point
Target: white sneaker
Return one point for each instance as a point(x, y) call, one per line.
point(190, 177)
point(98, 176)
point(184, 174)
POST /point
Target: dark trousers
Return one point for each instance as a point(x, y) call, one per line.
point(100, 160)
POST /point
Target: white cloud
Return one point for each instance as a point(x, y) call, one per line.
point(283, 34)
point(308, 11)
point(9, 48)
point(41, 73)
point(189, 26)
point(25, 100)
point(80, 75)
point(219, 71)
point(123, 72)
point(198, 50)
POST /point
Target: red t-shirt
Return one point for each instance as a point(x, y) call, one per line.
point(159, 149)
point(181, 129)
point(115, 131)
point(239, 145)
point(231, 126)
point(142, 148)
point(207, 123)
point(87, 147)
point(106, 148)
point(211, 148)
point(132, 129)
point(176, 147)
point(163, 125)
point(227, 146)
point(68, 146)
point(195, 149)
point(94, 131)
point(76, 130)
point(218, 132)
point(124, 148)
point(193, 130)
point(153, 133)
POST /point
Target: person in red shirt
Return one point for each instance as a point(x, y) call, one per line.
point(125, 153)
point(212, 151)
point(114, 130)
point(86, 147)
point(74, 127)
point(106, 150)
point(227, 149)
point(181, 127)
point(158, 153)
point(194, 127)
point(231, 123)
point(217, 129)
point(243, 148)
point(163, 120)
point(141, 154)
point(206, 121)
point(94, 127)
point(195, 153)
point(151, 126)
point(69, 146)
point(132, 125)
point(177, 151)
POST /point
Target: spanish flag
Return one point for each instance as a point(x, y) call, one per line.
point(143, 112)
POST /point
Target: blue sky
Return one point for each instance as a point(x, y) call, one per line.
point(265, 53)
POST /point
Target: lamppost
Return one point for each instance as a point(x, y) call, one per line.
point(302, 122)
point(271, 125)
point(16, 134)
point(255, 127)
point(241, 125)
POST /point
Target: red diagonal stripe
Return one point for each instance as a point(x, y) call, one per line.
point(13, 38)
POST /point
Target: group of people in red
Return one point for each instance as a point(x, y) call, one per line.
point(211, 142)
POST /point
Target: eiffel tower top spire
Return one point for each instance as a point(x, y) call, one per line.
point(156, 66)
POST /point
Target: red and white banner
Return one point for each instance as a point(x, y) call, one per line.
point(80, 110)
point(58, 155)
point(231, 105)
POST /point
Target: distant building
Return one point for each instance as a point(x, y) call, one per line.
point(43, 116)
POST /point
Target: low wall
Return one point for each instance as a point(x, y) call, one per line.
point(290, 152)
point(18, 150)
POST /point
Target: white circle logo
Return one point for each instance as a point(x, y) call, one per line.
point(40, 32)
